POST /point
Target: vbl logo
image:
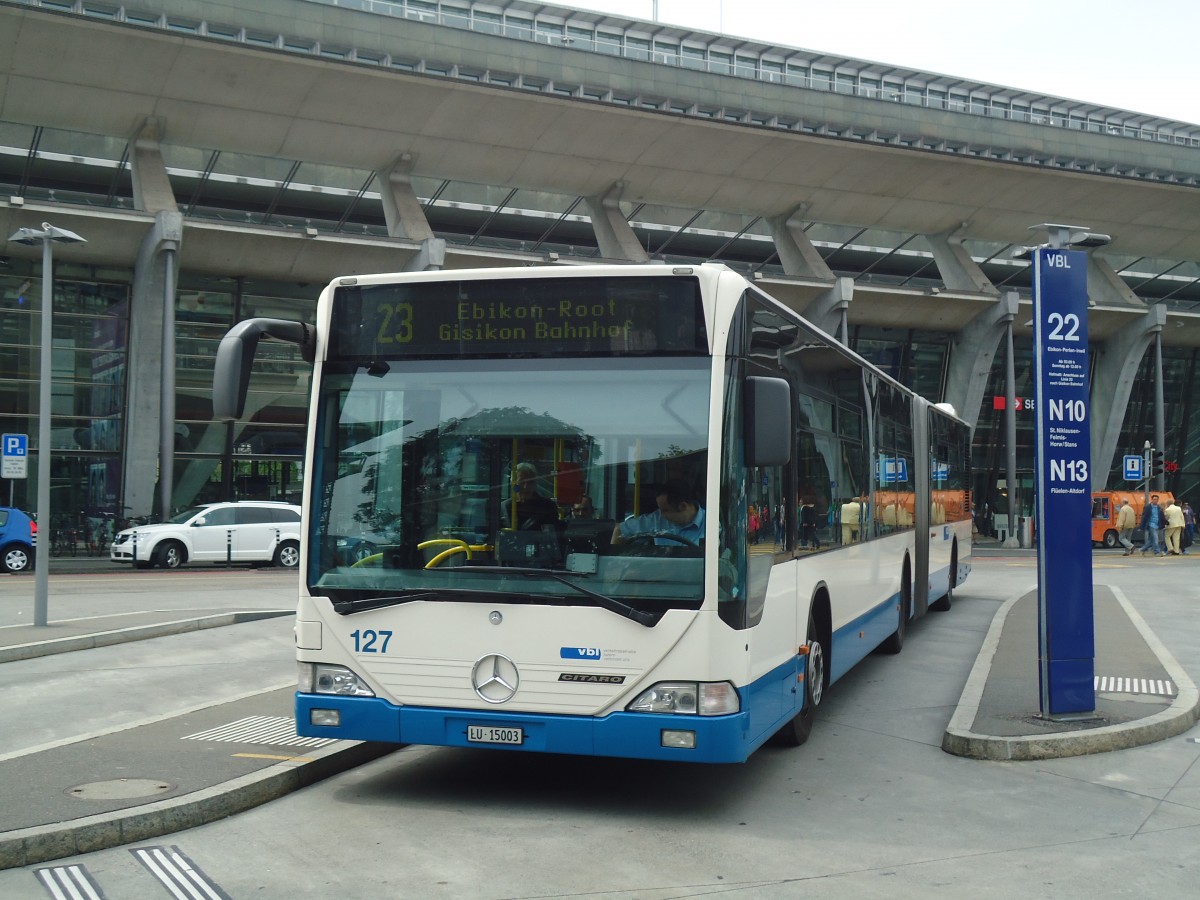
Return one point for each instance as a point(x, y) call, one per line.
point(579, 653)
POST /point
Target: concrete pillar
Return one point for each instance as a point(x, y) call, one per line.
point(828, 311)
point(971, 353)
point(1112, 381)
point(1106, 288)
point(613, 234)
point(1160, 407)
point(144, 368)
point(796, 252)
point(401, 209)
point(431, 255)
point(1011, 541)
point(959, 272)
point(151, 186)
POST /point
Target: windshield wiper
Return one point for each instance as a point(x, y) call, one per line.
point(346, 607)
point(610, 603)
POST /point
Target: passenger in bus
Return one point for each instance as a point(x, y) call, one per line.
point(678, 514)
point(532, 510)
point(584, 509)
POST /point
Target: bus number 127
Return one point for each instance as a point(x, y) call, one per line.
point(365, 641)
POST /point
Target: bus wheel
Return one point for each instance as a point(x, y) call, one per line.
point(894, 642)
point(944, 603)
point(1111, 539)
point(796, 732)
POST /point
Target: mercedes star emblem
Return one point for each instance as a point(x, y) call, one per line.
point(495, 678)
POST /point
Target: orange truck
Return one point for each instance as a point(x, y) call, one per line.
point(1106, 505)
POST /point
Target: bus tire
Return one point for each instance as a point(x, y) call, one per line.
point(796, 731)
point(944, 603)
point(170, 555)
point(1111, 539)
point(894, 642)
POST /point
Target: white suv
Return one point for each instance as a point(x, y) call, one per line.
point(254, 531)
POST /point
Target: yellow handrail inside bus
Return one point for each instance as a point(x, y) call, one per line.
point(458, 546)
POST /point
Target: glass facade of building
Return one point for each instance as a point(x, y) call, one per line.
point(88, 365)
point(256, 458)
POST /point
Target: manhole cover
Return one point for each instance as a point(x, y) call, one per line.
point(120, 789)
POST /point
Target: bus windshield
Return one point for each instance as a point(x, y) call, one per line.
point(486, 479)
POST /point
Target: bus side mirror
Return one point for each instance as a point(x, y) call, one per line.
point(767, 408)
point(235, 356)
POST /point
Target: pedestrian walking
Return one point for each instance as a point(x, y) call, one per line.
point(808, 524)
point(1152, 521)
point(1174, 517)
point(1126, 522)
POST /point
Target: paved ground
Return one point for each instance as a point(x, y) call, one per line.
point(215, 759)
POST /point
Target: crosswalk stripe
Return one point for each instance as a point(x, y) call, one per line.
point(178, 874)
point(277, 731)
point(69, 883)
point(1118, 684)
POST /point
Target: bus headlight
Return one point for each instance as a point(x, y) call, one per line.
point(320, 678)
point(717, 698)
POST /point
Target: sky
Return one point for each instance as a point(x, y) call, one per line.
point(1141, 56)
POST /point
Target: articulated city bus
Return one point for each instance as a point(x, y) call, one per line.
point(635, 511)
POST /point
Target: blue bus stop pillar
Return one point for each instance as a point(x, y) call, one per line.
point(1066, 623)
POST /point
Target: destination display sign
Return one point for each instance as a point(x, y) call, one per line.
point(519, 317)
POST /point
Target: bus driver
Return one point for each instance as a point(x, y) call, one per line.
point(677, 514)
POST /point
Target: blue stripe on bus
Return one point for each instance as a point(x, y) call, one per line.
point(860, 636)
point(719, 739)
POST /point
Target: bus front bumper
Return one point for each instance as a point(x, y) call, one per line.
point(714, 739)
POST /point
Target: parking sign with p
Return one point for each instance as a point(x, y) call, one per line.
point(14, 463)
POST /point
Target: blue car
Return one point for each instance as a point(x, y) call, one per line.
point(17, 536)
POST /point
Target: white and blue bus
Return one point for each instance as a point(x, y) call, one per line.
point(825, 505)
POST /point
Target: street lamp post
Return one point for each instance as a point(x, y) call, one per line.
point(47, 236)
